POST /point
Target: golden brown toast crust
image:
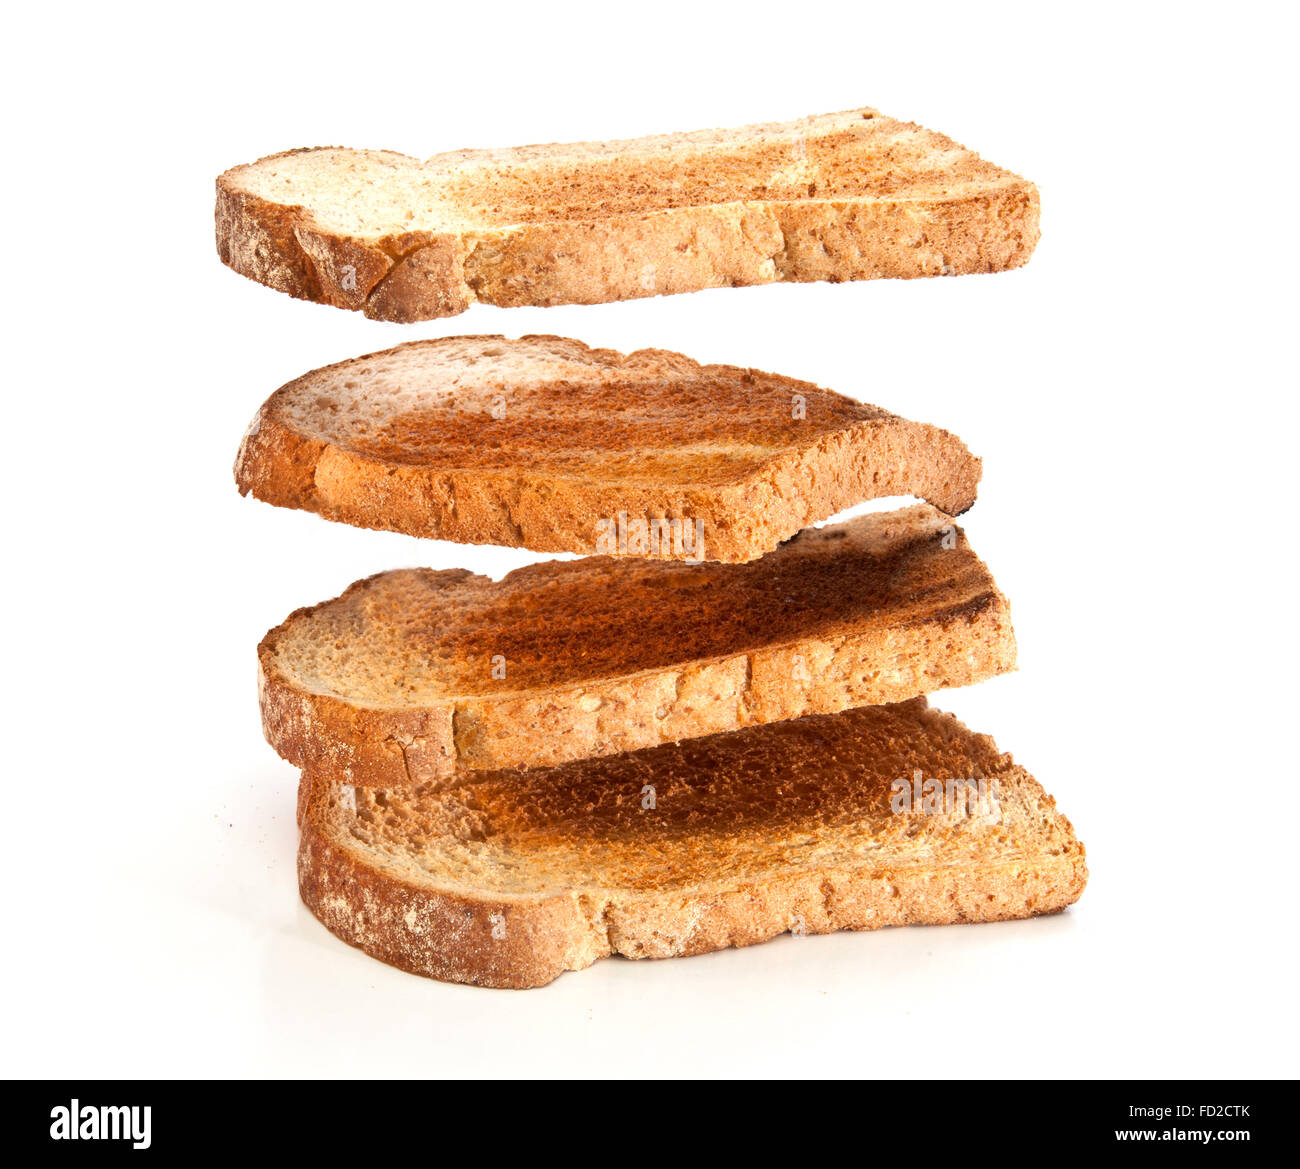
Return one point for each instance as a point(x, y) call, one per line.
point(517, 877)
point(850, 196)
point(547, 444)
point(417, 676)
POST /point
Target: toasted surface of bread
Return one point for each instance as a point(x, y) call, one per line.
point(416, 676)
point(547, 444)
point(799, 826)
point(847, 196)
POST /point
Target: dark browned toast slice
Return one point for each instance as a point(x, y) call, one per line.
point(890, 815)
point(414, 677)
point(544, 443)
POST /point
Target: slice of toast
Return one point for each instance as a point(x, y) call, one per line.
point(848, 196)
point(416, 677)
point(546, 444)
point(889, 815)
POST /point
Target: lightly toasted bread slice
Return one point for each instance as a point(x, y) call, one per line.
point(418, 677)
point(547, 444)
point(807, 826)
point(848, 196)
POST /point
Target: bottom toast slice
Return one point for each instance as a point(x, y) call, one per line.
point(878, 816)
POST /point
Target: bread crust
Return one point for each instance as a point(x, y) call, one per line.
point(523, 940)
point(545, 937)
point(990, 226)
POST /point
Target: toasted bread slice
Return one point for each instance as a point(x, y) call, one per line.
point(415, 677)
point(848, 196)
point(544, 443)
point(823, 823)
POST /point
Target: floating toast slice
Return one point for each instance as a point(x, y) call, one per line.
point(415, 677)
point(823, 823)
point(848, 196)
point(546, 444)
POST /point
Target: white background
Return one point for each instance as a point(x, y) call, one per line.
point(1132, 392)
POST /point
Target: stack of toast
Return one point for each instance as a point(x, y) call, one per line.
point(712, 728)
